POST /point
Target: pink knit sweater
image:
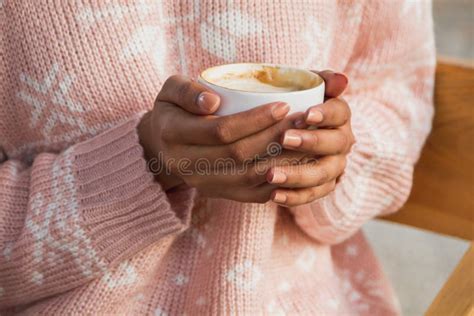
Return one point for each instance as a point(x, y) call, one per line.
point(85, 229)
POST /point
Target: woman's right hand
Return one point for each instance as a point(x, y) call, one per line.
point(185, 142)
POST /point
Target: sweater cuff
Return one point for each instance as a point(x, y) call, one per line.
point(123, 208)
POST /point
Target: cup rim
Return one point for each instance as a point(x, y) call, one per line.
point(263, 92)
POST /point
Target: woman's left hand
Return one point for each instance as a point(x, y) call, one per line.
point(329, 144)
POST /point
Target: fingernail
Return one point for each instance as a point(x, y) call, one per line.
point(278, 177)
point(279, 110)
point(279, 197)
point(299, 123)
point(208, 101)
point(314, 116)
point(292, 140)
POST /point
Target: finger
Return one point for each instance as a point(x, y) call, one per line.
point(189, 95)
point(222, 174)
point(203, 158)
point(312, 174)
point(261, 194)
point(332, 113)
point(250, 148)
point(319, 142)
point(214, 130)
point(210, 161)
point(297, 197)
point(231, 128)
point(335, 83)
point(282, 157)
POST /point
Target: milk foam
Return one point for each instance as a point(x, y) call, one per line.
point(261, 78)
point(251, 84)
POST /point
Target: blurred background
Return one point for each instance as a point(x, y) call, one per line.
point(454, 28)
point(419, 262)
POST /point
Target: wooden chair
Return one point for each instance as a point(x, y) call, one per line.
point(442, 199)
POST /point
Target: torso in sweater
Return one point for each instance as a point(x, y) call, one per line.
point(74, 69)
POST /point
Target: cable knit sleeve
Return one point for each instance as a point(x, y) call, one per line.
point(69, 217)
point(391, 73)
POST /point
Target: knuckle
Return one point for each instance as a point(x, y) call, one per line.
point(184, 89)
point(312, 141)
point(237, 152)
point(171, 82)
point(261, 116)
point(349, 142)
point(167, 134)
point(310, 196)
point(222, 132)
point(343, 142)
point(323, 176)
point(329, 115)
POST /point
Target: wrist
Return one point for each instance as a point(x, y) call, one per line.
point(144, 130)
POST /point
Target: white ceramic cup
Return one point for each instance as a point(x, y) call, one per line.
point(234, 101)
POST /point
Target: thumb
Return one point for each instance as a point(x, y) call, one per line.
point(335, 82)
point(189, 95)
